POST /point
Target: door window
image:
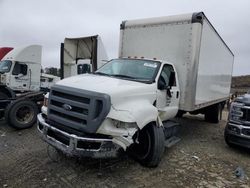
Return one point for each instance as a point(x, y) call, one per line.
point(165, 74)
point(20, 69)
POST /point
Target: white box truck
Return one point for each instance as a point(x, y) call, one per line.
point(202, 59)
point(165, 65)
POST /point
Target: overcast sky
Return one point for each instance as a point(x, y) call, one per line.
point(48, 22)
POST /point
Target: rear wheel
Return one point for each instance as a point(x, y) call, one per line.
point(149, 146)
point(21, 114)
point(212, 114)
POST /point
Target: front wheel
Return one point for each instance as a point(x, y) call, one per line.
point(21, 114)
point(149, 146)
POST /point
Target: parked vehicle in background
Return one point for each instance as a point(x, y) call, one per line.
point(4, 51)
point(47, 81)
point(22, 85)
point(237, 131)
point(21, 95)
point(81, 55)
point(167, 65)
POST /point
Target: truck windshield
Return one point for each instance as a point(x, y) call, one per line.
point(5, 66)
point(131, 69)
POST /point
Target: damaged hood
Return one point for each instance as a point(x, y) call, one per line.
point(118, 89)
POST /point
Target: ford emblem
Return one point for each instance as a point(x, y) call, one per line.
point(67, 107)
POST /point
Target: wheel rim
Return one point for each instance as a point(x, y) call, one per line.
point(144, 146)
point(24, 114)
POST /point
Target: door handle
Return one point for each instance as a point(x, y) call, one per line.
point(177, 94)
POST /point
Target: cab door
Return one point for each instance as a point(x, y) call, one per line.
point(20, 78)
point(168, 94)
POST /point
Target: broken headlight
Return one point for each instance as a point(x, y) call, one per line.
point(46, 100)
point(2, 78)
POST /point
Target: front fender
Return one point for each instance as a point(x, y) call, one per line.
point(142, 112)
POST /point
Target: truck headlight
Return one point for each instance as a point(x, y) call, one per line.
point(236, 112)
point(3, 79)
point(45, 101)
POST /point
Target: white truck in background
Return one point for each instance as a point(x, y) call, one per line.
point(82, 55)
point(22, 85)
point(47, 81)
point(166, 65)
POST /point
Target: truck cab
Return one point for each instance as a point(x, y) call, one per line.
point(19, 68)
point(121, 106)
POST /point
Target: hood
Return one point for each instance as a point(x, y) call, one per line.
point(109, 85)
point(244, 99)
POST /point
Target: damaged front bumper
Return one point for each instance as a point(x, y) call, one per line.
point(75, 145)
point(238, 134)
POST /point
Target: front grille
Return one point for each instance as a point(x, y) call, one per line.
point(77, 109)
point(246, 132)
point(246, 114)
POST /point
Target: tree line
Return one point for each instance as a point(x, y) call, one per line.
point(51, 70)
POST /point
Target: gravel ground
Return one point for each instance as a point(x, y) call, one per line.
point(201, 159)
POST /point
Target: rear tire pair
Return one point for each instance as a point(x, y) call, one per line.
point(148, 146)
point(21, 114)
point(212, 113)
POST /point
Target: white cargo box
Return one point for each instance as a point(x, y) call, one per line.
point(202, 59)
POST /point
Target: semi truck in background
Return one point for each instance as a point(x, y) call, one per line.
point(4, 51)
point(166, 66)
point(23, 86)
point(81, 55)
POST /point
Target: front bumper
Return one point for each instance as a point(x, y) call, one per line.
point(74, 145)
point(238, 134)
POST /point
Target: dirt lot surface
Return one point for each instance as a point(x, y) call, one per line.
point(201, 159)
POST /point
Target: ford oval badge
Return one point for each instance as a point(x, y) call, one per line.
point(67, 107)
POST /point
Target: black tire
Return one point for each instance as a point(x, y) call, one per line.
point(180, 113)
point(212, 114)
point(149, 146)
point(21, 114)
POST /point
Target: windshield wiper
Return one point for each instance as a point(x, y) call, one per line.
point(101, 73)
point(131, 77)
point(122, 76)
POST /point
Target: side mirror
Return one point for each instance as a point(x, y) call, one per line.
point(19, 76)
